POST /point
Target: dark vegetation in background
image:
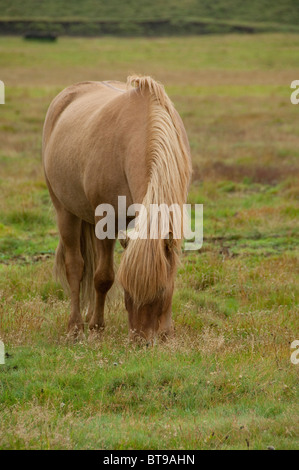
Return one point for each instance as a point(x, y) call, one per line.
point(154, 27)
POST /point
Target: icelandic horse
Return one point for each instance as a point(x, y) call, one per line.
point(102, 140)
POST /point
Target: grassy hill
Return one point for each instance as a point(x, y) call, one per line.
point(252, 11)
point(187, 16)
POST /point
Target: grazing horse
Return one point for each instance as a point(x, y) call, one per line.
point(102, 140)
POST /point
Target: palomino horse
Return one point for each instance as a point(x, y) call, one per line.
point(102, 140)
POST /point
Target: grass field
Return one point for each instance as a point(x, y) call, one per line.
point(226, 380)
point(285, 12)
point(151, 18)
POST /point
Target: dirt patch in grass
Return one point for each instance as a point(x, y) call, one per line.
point(255, 174)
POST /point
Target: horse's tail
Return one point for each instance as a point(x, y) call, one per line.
point(145, 265)
point(88, 251)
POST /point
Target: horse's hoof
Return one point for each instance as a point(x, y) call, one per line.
point(76, 333)
point(95, 332)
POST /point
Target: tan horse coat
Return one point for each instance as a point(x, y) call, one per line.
point(101, 141)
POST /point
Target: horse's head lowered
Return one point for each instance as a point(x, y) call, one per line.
point(149, 299)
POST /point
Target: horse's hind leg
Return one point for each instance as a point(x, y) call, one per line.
point(103, 280)
point(70, 230)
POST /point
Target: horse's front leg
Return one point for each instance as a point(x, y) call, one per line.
point(103, 280)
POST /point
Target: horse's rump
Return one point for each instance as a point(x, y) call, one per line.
point(94, 147)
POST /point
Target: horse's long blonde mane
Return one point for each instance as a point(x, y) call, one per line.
point(145, 267)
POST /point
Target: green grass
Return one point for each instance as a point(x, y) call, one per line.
point(286, 12)
point(225, 381)
point(146, 18)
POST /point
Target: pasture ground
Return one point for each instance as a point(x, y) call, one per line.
point(226, 380)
